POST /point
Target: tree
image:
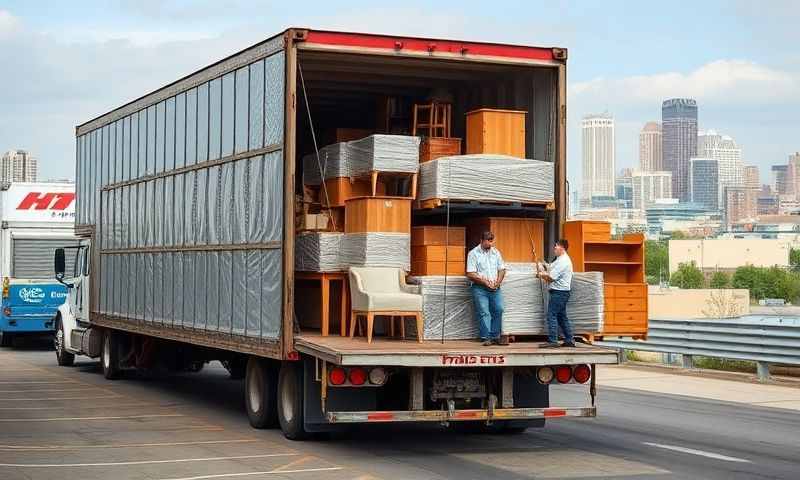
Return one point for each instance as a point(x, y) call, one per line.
point(773, 282)
point(719, 280)
point(794, 258)
point(687, 276)
point(656, 261)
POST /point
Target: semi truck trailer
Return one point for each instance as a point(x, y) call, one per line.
point(186, 209)
point(35, 218)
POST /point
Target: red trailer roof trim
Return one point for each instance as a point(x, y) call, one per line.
point(386, 42)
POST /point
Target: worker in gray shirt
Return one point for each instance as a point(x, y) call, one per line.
point(560, 279)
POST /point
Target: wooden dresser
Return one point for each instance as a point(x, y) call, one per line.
point(622, 263)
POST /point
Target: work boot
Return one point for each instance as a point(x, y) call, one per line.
point(502, 340)
point(550, 345)
point(488, 343)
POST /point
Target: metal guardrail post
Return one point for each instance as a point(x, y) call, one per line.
point(762, 369)
point(623, 356)
point(687, 361)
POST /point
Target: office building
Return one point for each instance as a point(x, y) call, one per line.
point(740, 204)
point(679, 142)
point(793, 175)
point(780, 179)
point(624, 188)
point(751, 177)
point(728, 155)
point(650, 158)
point(598, 156)
point(704, 182)
point(649, 187)
point(18, 166)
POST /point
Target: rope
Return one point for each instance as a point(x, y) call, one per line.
point(446, 248)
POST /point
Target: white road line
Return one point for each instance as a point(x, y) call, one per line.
point(75, 407)
point(270, 472)
point(122, 445)
point(65, 419)
point(79, 389)
point(701, 453)
point(32, 382)
point(141, 462)
point(60, 398)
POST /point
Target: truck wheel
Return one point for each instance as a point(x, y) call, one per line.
point(64, 358)
point(290, 401)
point(110, 356)
point(6, 339)
point(260, 393)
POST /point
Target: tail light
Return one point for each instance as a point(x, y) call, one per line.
point(563, 374)
point(358, 376)
point(545, 375)
point(582, 373)
point(337, 376)
point(6, 283)
point(377, 376)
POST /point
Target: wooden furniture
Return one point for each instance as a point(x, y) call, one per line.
point(622, 263)
point(424, 269)
point(432, 148)
point(495, 131)
point(325, 279)
point(432, 118)
point(430, 260)
point(382, 291)
point(341, 189)
point(514, 237)
point(377, 214)
point(438, 235)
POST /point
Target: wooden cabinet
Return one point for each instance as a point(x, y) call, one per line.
point(500, 132)
point(377, 214)
point(622, 263)
point(437, 253)
point(514, 237)
point(432, 148)
point(438, 235)
point(438, 268)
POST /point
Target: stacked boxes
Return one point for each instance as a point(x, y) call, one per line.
point(430, 249)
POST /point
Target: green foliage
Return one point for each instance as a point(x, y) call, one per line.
point(719, 280)
point(794, 258)
point(656, 261)
point(679, 235)
point(687, 276)
point(772, 282)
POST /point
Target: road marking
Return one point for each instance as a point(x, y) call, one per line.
point(701, 453)
point(66, 419)
point(75, 407)
point(60, 398)
point(270, 472)
point(80, 389)
point(123, 445)
point(142, 462)
point(32, 382)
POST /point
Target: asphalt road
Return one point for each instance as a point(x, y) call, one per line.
point(70, 423)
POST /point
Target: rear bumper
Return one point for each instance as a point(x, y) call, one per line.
point(27, 323)
point(460, 415)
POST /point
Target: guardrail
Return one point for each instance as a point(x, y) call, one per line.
point(762, 339)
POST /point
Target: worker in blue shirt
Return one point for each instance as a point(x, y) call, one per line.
point(486, 270)
point(560, 279)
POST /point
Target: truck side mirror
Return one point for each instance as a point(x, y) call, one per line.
point(59, 263)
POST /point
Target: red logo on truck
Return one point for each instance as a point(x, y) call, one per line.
point(48, 200)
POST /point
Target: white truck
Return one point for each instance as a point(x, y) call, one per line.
point(35, 218)
point(187, 209)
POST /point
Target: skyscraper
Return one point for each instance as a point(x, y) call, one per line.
point(793, 175)
point(649, 187)
point(18, 166)
point(598, 156)
point(728, 155)
point(650, 158)
point(679, 142)
point(704, 182)
point(780, 183)
point(751, 177)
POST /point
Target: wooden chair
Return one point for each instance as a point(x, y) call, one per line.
point(435, 117)
point(382, 291)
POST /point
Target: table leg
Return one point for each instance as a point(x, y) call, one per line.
point(343, 307)
point(325, 293)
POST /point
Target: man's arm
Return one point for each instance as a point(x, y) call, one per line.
point(478, 279)
point(554, 274)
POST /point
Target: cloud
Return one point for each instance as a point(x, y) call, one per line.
point(718, 82)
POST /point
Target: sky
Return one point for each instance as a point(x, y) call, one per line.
point(67, 62)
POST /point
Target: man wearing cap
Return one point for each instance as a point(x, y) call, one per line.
point(486, 271)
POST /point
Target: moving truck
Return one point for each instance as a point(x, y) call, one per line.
point(186, 204)
point(35, 219)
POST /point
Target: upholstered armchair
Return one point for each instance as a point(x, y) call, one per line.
point(382, 291)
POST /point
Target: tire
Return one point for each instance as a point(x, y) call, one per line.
point(109, 358)
point(260, 393)
point(63, 357)
point(236, 367)
point(6, 339)
point(290, 401)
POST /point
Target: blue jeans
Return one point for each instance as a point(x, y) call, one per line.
point(557, 316)
point(489, 310)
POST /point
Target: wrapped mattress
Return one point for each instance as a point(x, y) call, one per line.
point(333, 251)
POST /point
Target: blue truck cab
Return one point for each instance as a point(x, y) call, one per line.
point(29, 307)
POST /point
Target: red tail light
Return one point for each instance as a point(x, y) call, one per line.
point(337, 376)
point(582, 373)
point(7, 311)
point(563, 374)
point(358, 376)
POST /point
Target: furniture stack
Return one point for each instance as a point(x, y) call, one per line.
point(435, 130)
point(622, 264)
point(437, 250)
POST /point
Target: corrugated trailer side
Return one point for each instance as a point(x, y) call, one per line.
point(183, 192)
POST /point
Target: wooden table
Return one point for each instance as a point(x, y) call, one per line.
point(325, 279)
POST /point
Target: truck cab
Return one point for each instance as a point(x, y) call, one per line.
point(29, 307)
point(72, 318)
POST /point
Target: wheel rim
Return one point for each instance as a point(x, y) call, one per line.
point(59, 341)
point(106, 351)
point(287, 399)
point(254, 390)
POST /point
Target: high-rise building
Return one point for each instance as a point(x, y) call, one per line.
point(649, 187)
point(741, 203)
point(751, 177)
point(650, 158)
point(793, 175)
point(704, 182)
point(624, 188)
point(728, 155)
point(679, 142)
point(18, 166)
point(598, 156)
point(780, 179)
